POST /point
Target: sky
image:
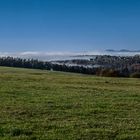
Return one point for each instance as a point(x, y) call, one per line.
point(69, 25)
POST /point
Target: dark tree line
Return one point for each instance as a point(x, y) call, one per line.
point(23, 63)
point(36, 64)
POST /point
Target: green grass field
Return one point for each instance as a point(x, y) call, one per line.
point(42, 105)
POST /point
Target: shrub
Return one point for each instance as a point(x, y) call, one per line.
point(135, 75)
point(109, 73)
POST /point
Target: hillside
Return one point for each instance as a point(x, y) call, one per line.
point(41, 105)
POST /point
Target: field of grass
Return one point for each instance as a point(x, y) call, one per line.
point(42, 105)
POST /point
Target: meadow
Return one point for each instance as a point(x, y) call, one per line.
point(44, 105)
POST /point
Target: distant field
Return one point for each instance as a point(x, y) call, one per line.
point(42, 105)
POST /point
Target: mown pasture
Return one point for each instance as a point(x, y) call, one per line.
point(41, 105)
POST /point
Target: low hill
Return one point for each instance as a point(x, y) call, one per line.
point(41, 105)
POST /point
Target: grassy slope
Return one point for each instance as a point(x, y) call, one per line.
point(37, 104)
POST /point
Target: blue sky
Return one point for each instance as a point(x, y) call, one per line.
point(69, 25)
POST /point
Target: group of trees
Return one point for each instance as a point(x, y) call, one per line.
point(36, 64)
point(23, 63)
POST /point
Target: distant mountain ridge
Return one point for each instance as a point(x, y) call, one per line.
point(122, 50)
